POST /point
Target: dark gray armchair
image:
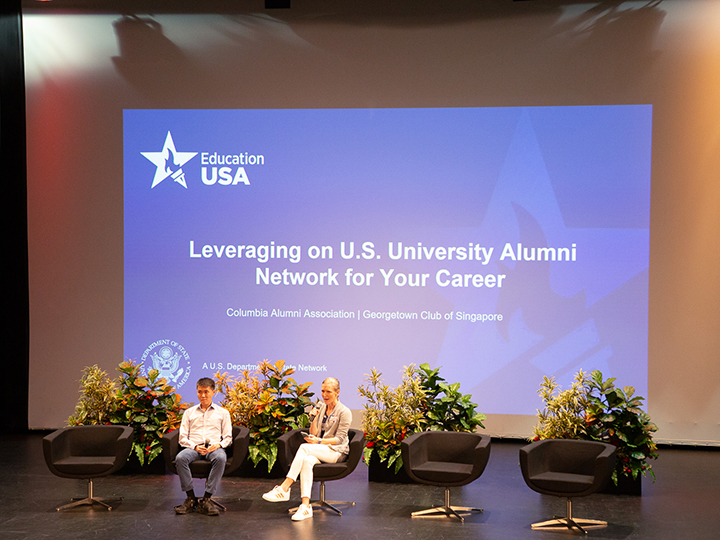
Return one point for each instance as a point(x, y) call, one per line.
point(87, 452)
point(567, 468)
point(445, 459)
point(288, 445)
point(236, 453)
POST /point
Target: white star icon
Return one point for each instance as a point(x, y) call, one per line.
point(169, 162)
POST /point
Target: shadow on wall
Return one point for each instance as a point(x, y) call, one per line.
point(501, 53)
point(148, 60)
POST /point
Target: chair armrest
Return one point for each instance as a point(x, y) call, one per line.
point(171, 447)
point(124, 446)
point(604, 466)
point(532, 458)
point(357, 445)
point(481, 454)
point(55, 447)
point(239, 448)
point(414, 450)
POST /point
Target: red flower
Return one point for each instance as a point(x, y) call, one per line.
point(370, 444)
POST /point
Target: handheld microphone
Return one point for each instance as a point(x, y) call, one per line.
point(314, 412)
point(207, 443)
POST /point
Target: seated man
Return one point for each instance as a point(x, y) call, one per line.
point(205, 432)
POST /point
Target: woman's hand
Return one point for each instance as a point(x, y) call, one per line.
point(312, 439)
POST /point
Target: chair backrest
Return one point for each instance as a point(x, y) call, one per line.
point(77, 442)
point(581, 459)
point(429, 450)
point(451, 446)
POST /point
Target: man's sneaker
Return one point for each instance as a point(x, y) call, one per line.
point(188, 506)
point(277, 494)
point(304, 511)
point(207, 507)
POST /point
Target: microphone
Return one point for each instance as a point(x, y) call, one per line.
point(207, 443)
point(314, 412)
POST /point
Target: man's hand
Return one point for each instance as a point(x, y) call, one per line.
point(204, 451)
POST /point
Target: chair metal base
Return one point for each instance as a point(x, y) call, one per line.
point(323, 504)
point(447, 509)
point(569, 522)
point(89, 500)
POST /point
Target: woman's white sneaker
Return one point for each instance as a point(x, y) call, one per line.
point(277, 494)
point(303, 512)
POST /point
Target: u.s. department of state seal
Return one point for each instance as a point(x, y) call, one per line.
point(170, 359)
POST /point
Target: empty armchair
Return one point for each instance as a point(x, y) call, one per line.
point(567, 468)
point(87, 452)
point(445, 459)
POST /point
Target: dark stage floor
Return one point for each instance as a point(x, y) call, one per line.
point(683, 504)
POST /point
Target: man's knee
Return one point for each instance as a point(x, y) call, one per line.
point(185, 457)
point(219, 456)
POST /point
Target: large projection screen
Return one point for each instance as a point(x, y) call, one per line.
point(466, 184)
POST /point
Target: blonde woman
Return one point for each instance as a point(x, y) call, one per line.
point(327, 442)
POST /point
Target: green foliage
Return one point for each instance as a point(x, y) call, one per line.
point(422, 401)
point(391, 414)
point(594, 409)
point(239, 395)
point(447, 409)
point(564, 414)
point(149, 405)
point(614, 415)
point(98, 398)
point(269, 403)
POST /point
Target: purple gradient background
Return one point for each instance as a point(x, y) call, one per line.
point(444, 177)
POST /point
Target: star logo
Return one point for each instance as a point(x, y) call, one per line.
point(169, 162)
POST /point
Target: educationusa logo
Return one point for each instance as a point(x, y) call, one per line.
point(217, 168)
point(170, 359)
point(169, 162)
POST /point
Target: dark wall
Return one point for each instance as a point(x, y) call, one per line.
point(15, 320)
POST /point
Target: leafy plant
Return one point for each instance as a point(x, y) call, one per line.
point(422, 401)
point(564, 414)
point(149, 405)
point(98, 398)
point(239, 395)
point(391, 414)
point(270, 403)
point(594, 409)
point(614, 415)
point(447, 409)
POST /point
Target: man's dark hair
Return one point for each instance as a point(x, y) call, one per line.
point(206, 381)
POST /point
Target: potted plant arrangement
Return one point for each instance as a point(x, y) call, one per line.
point(564, 414)
point(150, 406)
point(269, 402)
point(146, 403)
point(422, 401)
point(594, 409)
point(614, 415)
point(98, 398)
